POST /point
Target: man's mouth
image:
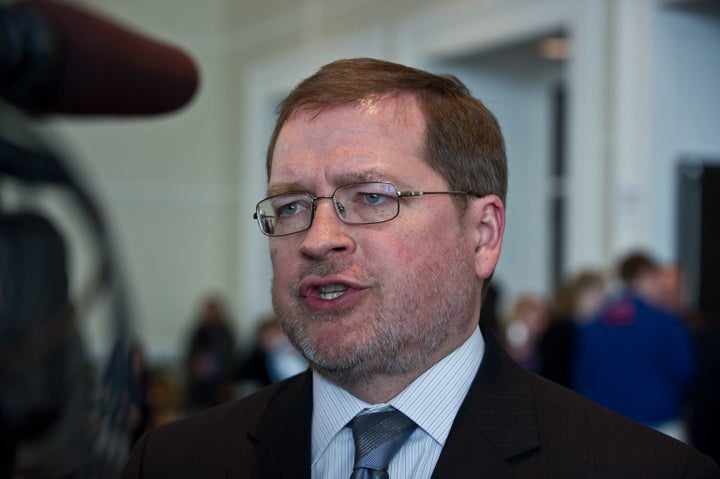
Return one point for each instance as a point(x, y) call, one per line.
point(332, 291)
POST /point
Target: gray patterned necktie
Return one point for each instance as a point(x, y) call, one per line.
point(378, 437)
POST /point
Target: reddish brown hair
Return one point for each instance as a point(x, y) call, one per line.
point(463, 141)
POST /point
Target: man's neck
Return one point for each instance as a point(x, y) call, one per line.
point(382, 387)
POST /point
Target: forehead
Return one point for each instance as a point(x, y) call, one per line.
point(375, 139)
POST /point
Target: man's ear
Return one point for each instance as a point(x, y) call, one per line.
point(485, 218)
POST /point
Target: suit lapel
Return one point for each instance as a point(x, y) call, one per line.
point(496, 423)
point(282, 438)
point(495, 426)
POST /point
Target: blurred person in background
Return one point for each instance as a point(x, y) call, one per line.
point(164, 393)
point(522, 329)
point(576, 301)
point(634, 357)
point(210, 357)
point(671, 294)
point(272, 359)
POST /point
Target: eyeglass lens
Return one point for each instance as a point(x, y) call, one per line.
point(362, 203)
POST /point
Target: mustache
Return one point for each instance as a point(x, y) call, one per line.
point(325, 268)
point(332, 267)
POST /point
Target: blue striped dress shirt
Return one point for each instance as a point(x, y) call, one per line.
point(432, 401)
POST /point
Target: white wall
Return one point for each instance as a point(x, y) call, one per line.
point(665, 106)
point(686, 107)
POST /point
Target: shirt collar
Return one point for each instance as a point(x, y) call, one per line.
point(432, 400)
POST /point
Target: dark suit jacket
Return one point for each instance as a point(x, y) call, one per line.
point(511, 425)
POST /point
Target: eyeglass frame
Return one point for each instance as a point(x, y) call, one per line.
point(314, 199)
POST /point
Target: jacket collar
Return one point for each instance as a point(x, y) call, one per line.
point(495, 426)
point(496, 423)
point(282, 435)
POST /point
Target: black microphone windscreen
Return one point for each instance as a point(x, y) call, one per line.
point(105, 68)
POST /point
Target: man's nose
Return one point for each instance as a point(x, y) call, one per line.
point(327, 233)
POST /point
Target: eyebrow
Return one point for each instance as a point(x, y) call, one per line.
point(285, 188)
point(363, 177)
point(292, 187)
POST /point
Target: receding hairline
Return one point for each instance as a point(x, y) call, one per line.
point(401, 101)
point(399, 98)
point(363, 79)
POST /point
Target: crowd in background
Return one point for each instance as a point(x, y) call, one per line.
point(625, 339)
point(214, 369)
point(629, 341)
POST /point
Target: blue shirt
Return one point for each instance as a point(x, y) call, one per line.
point(432, 401)
point(636, 360)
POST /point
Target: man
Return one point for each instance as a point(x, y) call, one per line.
point(385, 213)
point(634, 357)
point(209, 357)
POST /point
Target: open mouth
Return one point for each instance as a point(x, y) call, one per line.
point(332, 291)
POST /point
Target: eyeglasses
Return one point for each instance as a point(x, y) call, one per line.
point(357, 204)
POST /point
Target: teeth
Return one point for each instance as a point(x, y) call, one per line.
point(332, 292)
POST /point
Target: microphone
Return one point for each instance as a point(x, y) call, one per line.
point(58, 58)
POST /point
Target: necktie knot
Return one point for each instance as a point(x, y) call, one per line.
point(378, 436)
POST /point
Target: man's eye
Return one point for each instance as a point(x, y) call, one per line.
point(290, 209)
point(373, 198)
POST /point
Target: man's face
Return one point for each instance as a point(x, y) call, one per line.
point(363, 301)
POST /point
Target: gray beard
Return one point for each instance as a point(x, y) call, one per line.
point(387, 354)
point(405, 338)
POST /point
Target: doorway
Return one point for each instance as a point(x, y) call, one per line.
point(524, 84)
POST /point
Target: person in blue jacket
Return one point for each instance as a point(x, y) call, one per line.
point(636, 358)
